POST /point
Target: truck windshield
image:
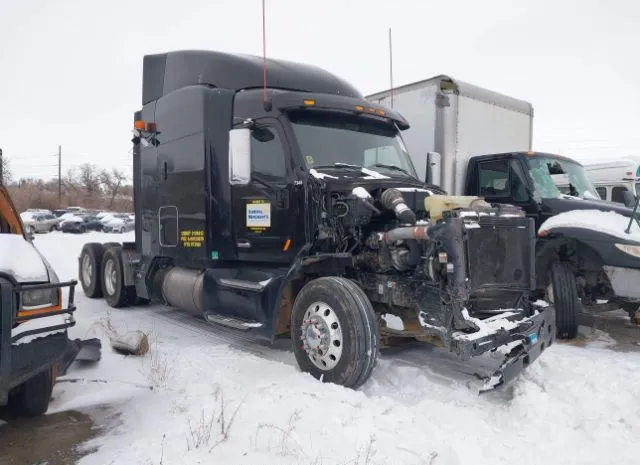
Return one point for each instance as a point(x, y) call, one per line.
point(556, 177)
point(329, 138)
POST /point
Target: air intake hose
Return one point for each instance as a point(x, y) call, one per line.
point(393, 200)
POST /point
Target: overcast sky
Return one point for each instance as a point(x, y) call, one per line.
point(70, 70)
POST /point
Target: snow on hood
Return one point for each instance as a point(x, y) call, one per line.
point(20, 259)
point(318, 175)
point(608, 222)
point(370, 174)
point(72, 219)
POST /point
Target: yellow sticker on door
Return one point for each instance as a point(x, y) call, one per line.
point(258, 214)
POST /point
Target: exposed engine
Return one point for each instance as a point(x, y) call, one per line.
point(411, 251)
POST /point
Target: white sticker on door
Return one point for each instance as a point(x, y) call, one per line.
point(259, 215)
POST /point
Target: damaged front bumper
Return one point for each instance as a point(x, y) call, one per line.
point(522, 340)
point(44, 343)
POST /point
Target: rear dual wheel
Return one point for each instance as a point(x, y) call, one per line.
point(335, 332)
point(101, 273)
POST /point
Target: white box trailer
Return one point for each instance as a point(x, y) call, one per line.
point(458, 120)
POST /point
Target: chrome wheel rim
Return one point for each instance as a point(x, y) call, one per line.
point(87, 270)
point(321, 336)
point(110, 277)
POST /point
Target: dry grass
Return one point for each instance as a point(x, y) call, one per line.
point(285, 445)
point(157, 369)
point(205, 433)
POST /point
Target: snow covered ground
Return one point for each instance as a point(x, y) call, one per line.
point(215, 400)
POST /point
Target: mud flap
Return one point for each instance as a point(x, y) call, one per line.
point(88, 350)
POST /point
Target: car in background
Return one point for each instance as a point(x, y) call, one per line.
point(80, 223)
point(120, 224)
point(39, 222)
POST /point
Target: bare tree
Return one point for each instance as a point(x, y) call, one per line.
point(112, 181)
point(5, 170)
point(84, 186)
point(89, 178)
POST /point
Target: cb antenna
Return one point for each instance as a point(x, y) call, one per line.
point(391, 67)
point(267, 103)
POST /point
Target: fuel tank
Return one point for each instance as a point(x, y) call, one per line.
point(183, 288)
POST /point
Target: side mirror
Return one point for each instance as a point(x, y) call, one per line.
point(240, 156)
point(629, 198)
point(432, 173)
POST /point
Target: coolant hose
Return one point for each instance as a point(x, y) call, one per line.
point(398, 234)
point(393, 200)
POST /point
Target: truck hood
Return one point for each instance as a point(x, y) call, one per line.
point(21, 260)
point(348, 175)
point(555, 206)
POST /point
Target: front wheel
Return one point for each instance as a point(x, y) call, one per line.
point(34, 395)
point(563, 294)
point(335, 332)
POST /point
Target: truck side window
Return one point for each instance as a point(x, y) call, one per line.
point(493, 178)
point(267, 154)
point(617, 194)
point(602, 192)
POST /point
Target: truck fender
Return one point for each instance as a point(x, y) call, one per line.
point(576, 246)
point(281, 314)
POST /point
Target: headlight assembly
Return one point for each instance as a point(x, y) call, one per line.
point(629, 249)
point(34, 299)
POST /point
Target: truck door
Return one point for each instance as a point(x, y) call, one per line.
point(502, 179)
point(263, 209)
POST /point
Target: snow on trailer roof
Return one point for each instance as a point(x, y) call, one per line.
point(465, 89)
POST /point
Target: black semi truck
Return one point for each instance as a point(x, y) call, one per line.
point(272, 198)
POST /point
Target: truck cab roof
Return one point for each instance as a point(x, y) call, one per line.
point(165, 72)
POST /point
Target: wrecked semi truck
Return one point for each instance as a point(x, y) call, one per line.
point(478, 143)
point(290, 207)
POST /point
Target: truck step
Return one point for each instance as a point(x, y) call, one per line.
point(232, 283)
point(233, 322)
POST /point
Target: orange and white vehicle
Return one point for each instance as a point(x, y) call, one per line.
point(34, 343)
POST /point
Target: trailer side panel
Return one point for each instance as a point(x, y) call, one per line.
point(417, 105)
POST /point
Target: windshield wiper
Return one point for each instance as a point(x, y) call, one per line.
point(392, 167)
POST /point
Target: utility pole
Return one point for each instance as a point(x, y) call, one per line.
point(59, 176)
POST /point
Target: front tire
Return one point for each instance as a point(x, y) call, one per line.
point(34, 395)
point(563, 294)
point(335, 332)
